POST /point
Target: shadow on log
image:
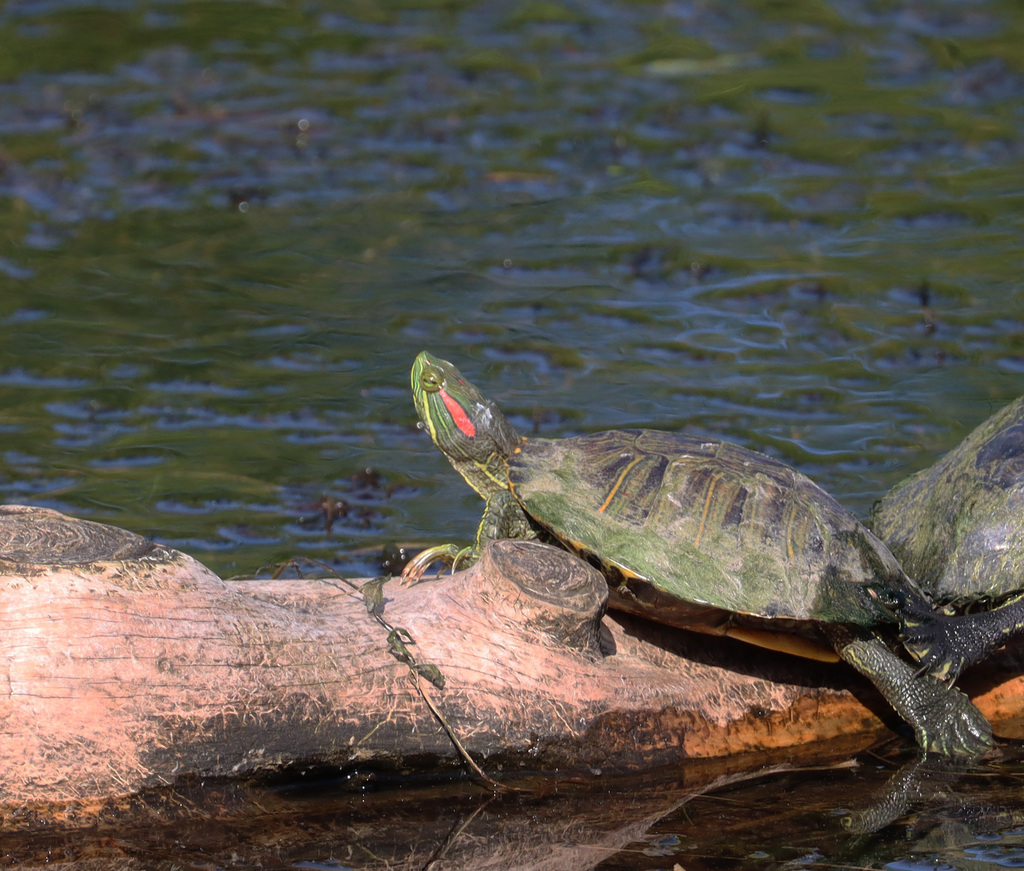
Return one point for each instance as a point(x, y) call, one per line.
point(127, 667)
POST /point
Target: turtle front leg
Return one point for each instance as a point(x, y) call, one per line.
point(946, 645)
point(503, 517)
point(944, 720)
point(449, 554)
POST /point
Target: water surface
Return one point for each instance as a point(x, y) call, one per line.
point(228, 230)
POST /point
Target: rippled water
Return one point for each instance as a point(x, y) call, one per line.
point(226, 230)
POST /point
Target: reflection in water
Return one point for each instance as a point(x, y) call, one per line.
point(692, 817)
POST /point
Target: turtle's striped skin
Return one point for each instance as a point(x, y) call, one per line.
point(700, 534)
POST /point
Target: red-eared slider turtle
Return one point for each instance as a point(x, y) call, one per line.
point(958, 529)
point(697, 533)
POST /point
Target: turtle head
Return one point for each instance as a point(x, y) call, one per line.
point(469, 429)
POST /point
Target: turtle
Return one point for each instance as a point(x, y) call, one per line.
point(958, 528)
point(699, 534)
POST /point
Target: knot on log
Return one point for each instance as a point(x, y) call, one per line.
point(41, 537)
point(557, 594)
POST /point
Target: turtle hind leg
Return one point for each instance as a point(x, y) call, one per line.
point(946, 645)
point(943, 718)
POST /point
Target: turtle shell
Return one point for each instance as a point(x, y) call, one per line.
point(696, 524)
point(957, 527)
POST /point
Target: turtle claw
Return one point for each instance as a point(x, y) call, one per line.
point(935, 645)
point(418, 565)
point(451, 554)
point(964, 732)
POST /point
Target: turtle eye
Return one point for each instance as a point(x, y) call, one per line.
point(431, 379)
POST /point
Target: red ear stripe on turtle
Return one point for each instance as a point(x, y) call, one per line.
point(460, 417)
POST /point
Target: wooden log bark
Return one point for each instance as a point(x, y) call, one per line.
point(145, 670)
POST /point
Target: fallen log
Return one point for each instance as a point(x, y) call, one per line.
point(126, 666)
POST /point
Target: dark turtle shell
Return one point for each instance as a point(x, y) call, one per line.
point(957, 527)
point(705, 524)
